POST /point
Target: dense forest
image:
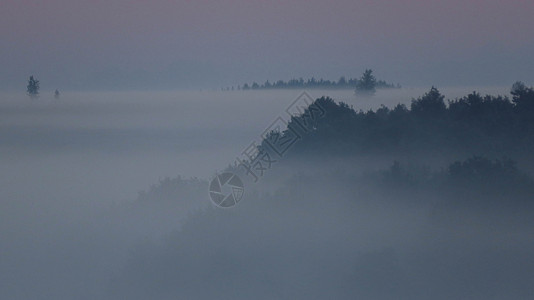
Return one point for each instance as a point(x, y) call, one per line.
point(470, 125)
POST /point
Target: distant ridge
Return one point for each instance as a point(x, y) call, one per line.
point(311, 83)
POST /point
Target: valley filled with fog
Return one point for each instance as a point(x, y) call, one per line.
point(104, 195)
point(125, 141)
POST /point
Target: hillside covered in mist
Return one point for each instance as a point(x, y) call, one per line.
point(434, 201)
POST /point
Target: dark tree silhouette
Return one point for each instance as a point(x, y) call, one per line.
point(523, 96)
point(367, 83)
point(33, 87)
point(430, 105)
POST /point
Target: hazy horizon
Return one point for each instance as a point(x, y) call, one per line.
point(211, 44)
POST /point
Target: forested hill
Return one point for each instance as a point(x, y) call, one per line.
point(473, 124)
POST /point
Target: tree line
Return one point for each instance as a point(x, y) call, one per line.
point(366, 83)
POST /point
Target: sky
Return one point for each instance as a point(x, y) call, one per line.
point(166, 44)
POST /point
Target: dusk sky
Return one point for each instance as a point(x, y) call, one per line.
point(119, 44)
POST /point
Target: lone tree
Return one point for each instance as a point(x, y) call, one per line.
point(33, 87)
point(367, 83)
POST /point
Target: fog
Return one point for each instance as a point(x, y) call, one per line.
point(104, 195)
point(125, 141)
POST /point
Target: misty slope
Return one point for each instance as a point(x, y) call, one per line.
point(344, 226)
point(392, 234)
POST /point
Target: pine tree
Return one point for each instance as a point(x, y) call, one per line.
point(33, 87)
point(367, 83)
